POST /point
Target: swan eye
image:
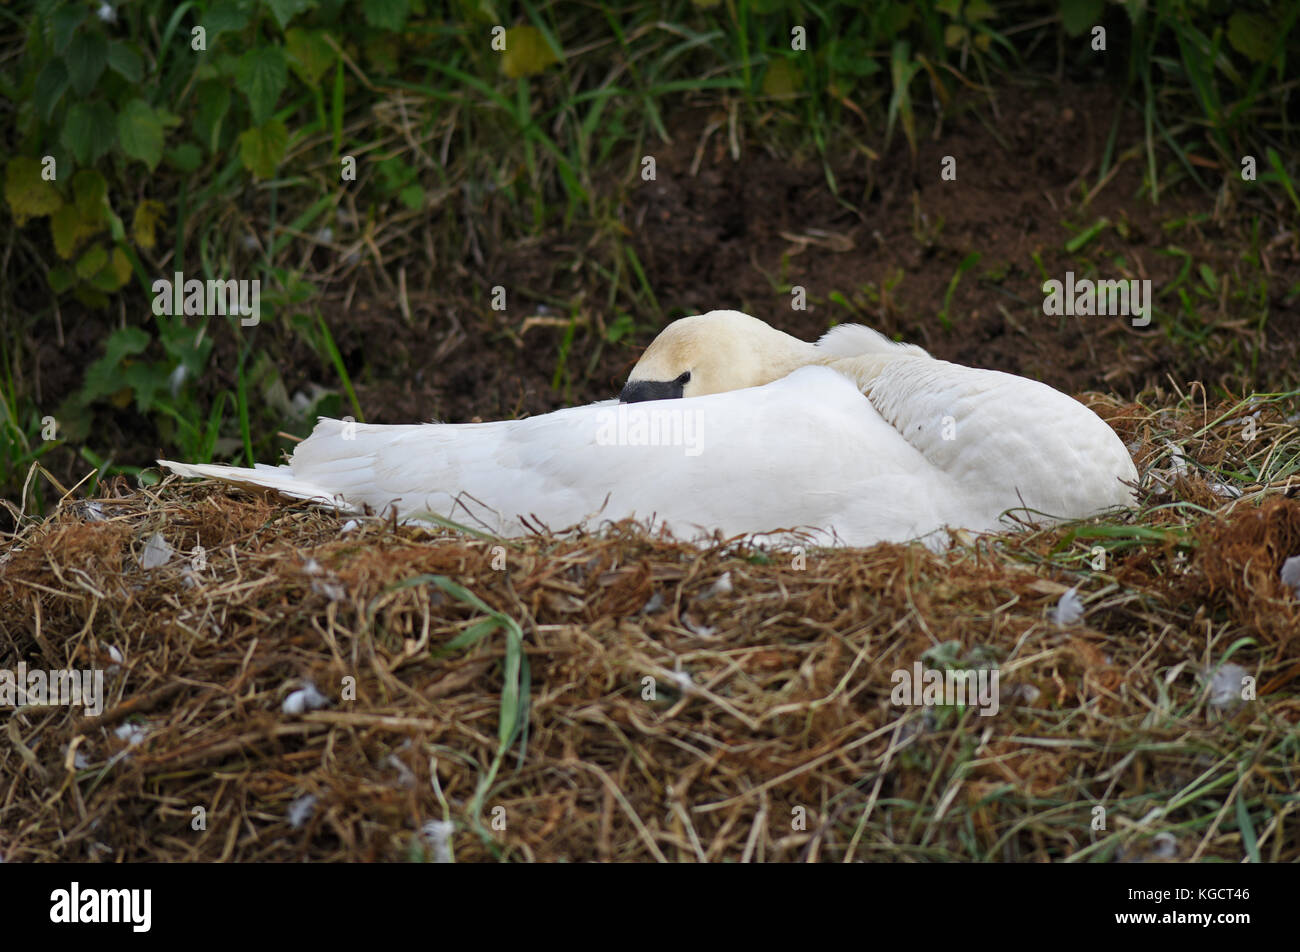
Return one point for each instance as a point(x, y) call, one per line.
point(684, 379)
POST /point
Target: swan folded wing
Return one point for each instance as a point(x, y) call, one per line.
point(856, 340)
point(805, 451)
point(1014, 442)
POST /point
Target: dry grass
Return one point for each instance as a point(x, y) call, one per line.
point(771, 734)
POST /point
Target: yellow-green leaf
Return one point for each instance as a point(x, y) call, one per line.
point(90, 189)
point(383, 52)
point(526, 53)
point(120, 266)
point(262, 148)
point(98, 300)
point(310, 55)
point(144, 225)
point(92, 262)
point(29, 195)
point(1252, 35)
point(954, 34)
point(781, 80)
point(115, 274)
point(68, 230)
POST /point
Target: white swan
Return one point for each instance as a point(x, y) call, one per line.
point(855, 439)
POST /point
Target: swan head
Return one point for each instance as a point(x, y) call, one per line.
point(713, 353)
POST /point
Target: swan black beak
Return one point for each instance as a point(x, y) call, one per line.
point(637, 390)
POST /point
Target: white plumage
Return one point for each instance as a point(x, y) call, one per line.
point(856, 439)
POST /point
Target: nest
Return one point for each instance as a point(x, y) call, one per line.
point(284, 683)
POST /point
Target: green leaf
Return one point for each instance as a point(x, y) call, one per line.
point(116, 274)
point(116, 230)
point(105, 376)
point(896, 17)
point(472, 634)
point(1249, 840)
point(186, 157)
point(213, 99)
point(1088, 234)
point(90, 297)
point(88, 131)
point(78, 129)
point(125, 61)
point(169, 120)
point(387, 14)
point(92, 262)
point(1079, 16)
point(147, 381)
point(782, 80)
point(141, 133)
point(87, 55)
point(527, 52)
point(382, 52)
point(29, 195)
point(224, 16)
point(286, 10)
point(90, 190)
point(60, 278)
point(67, 228)
point(64, 22)
point(50, 87)
point(120, 265)
point(394, 174)
point(412, 197)
point(261, 76)
point(1252, 35)
point(148, 215)
point(852, 58)
point(309, 54)
point(262, 148)
point(619, 328)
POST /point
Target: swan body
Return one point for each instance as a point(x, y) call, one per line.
point(853, 440)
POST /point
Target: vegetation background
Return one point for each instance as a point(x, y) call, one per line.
point(208, 139)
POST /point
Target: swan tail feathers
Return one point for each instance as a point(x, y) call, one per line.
point(281, 479)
